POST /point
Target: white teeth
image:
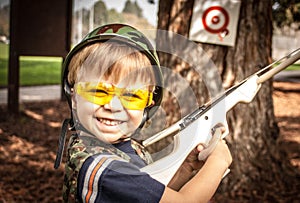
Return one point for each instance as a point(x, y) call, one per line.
point(109, 122)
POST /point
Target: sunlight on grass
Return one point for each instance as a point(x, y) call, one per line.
point(40, 70)
point(294, 67)
point(41, 58)
point(34, 70)
point(4, 48)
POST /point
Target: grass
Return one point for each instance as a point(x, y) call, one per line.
point(33, 70)
point(294, 67)
point(42, 70)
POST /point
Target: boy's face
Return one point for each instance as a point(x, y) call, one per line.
point(112, 121)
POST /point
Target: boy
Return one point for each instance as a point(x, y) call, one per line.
point(113, 83)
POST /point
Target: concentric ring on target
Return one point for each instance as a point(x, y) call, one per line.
point(215, 20)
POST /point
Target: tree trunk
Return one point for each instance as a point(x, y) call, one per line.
point(259, 171)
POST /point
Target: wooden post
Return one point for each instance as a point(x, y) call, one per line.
point(13, 64)
point(37, 28)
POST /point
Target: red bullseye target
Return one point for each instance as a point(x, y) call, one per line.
point(215, 19)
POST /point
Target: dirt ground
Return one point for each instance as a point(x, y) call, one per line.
point(28, 145)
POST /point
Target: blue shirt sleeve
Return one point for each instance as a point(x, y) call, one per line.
point(105, 179)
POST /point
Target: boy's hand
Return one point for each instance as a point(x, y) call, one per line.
point(192, 163)
point(188, 169)
point(221, 154)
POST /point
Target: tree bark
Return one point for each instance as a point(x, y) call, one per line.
point(259, 171)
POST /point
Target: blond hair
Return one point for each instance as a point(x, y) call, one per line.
point(111, 60)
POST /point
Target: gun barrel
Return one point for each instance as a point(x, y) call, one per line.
point(175, 128)
point(290, 59)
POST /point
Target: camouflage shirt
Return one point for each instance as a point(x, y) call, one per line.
point(80, 148)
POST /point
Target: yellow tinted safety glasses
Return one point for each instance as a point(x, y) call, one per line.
point(102, 93)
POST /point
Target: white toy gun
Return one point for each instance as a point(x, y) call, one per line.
point(200, 125)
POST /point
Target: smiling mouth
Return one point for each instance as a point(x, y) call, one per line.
point(109, 122)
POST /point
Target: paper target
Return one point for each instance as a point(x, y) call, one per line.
point(215, 19)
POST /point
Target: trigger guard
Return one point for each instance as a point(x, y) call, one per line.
point(216, 136)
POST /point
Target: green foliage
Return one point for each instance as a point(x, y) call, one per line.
point(115, 16)
point(286, 12)
point(131, 13)
point(133, 8)
point(100, 13)
point(4, 21)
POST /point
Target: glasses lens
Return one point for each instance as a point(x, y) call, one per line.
point(136, 99)
point(94, 93)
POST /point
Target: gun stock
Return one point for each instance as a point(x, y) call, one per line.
point(198, 127)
